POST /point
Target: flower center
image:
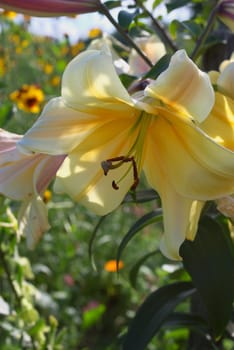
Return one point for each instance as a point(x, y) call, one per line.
point(135, 154)
point(114, 163)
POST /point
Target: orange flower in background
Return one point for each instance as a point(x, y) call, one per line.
point(48, 8)
point(111, 265)
point(28, 98)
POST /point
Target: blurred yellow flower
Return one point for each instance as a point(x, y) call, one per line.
point(48, 68)
point(77, 48)
point(94, 33)
point(9, 14)
point(28, 98)
point(111, 265)
point(2, 66)
point(47, 195)
point(55, 80)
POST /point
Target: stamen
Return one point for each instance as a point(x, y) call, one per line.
point(108, 165)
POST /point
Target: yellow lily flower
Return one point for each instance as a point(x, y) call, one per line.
point(24, 177)
point(110, 136)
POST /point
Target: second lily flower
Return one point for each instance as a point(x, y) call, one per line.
point(110, 137)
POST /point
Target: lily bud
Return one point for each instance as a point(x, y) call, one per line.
point(51, 8)
point(226, 13)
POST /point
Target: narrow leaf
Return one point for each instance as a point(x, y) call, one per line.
point(141, 196)
point(209, 260)
point(153, 312)
point(159, 67)
point(147, 219)
point(135, 269)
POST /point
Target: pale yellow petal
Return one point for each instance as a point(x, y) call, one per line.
point(60, 129)
point(33, 220)
point(183, 86)
point(220, 123)
point(82, 177)
point(16, 178)
point(90, 81)
point(225, 81)
point(180, 214)
point(196, 166)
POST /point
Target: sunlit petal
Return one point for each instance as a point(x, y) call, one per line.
point(180, 214)
point(196, 166)
point(82, 177)
point(60, 129)
point(184, 86)
point(91, 82)
point(225, 81)
point(220, 123)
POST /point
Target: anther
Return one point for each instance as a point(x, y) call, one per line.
point(108, 165)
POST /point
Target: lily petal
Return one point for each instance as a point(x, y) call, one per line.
point(225, 81)
point(90, 83)
point(82, 177)
point(33, 220)
point(220, 123)
point(55, 134)
point(180, 214)
point(184, 87)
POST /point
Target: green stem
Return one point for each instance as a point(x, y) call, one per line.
point(8, 274)
point(160, 30)
point(104, 10)
point(205, 33)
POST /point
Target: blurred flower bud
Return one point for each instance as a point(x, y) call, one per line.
point(50, 8)
point(226, 13)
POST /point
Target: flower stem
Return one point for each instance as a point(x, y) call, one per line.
point(205, 33)
point(160, 30)
point(9, 278)
point(104, 10)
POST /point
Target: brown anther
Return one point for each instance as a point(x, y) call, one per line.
point(114, 185)
point(108, 165)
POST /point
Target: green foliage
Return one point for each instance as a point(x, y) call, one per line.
point(212, 244)
point(60, 296)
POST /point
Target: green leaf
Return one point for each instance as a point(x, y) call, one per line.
point(141, 196)
point(92, 239)
point(5, 113)
point(192, 321)
point(175, 4)
point(147, 219)
point(93, 315)
point(153, 312)
point(159, 67)
point(135, 269)
point(111, 4)
point(209, 260)
point(125, 18)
